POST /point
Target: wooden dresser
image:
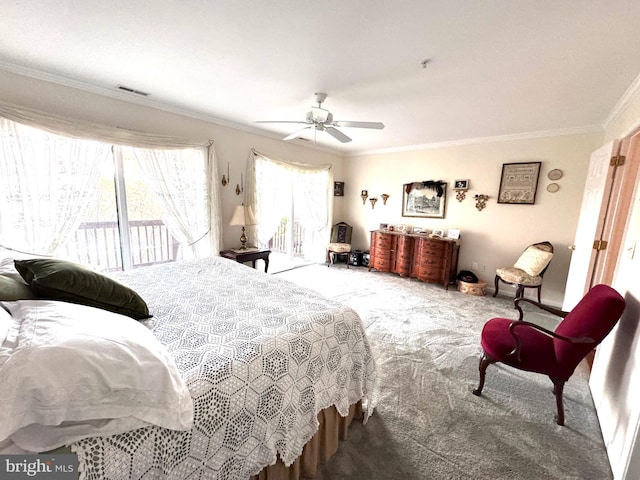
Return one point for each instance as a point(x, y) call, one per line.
point(433, 260)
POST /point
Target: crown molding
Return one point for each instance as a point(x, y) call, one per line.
point(495, 139)
point(629, 95)
point(127, 97)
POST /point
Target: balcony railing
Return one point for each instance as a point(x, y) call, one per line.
point(279, 243)
point(98, 244)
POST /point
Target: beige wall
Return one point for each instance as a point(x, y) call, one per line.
point(493, 237)
point(496, 235)
point(232, 145)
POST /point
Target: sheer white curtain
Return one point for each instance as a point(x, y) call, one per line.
point(272, 186)
point(108, 136)
point(46, 182)
point(179, 179)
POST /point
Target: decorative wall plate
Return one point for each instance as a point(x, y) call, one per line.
point(555, 174)
point(553, 187)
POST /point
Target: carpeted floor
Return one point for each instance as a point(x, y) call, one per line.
point(427, 423)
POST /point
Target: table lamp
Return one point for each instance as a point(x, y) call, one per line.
point(243, 216)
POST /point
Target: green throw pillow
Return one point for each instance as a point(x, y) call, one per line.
point(12, 289)
point(61, 280)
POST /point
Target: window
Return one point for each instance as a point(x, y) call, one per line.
point(101, 204)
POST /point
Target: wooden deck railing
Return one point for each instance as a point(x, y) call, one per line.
point(279, 242)
point(98, 244)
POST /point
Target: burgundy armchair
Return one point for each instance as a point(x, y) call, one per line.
point(527, 346)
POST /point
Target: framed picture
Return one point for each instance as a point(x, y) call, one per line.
point(424, 199)
point(384, 226)
point(519, 183)
point(461, 185)
point(417, 230)
point(453, 233)
point(437, 233)
point(338, 189)
point(401, 228)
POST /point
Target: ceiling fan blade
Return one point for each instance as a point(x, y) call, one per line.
point(337, 134)
point(376, 125)
point(295, 134)
point(282, 121)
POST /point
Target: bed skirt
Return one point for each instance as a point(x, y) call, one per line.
point(318, 450)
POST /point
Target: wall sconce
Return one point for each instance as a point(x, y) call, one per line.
point(364, 195)
point(481, 201)
point(240, 186)
point(461, 187)
point(373, 201)
point(385, 197)
point(227, 179)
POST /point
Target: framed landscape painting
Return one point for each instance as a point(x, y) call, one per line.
point(424, 199)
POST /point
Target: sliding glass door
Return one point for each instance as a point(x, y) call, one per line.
point(292, 210)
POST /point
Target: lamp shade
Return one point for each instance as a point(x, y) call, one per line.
point(243, 216)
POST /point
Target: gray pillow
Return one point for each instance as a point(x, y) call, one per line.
point(12, 289)
point(61, 280)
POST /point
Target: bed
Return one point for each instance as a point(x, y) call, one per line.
point(268, 367)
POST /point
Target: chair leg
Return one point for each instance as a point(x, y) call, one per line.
point(328, 258)
point(539, 288)
point(558, 387)
point(348, 259)
point(496, 281)
point(485, 361)
point(519, 291)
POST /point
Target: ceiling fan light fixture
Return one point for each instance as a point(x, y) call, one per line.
point(321, 119)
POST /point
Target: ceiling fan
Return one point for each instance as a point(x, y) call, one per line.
point(321, 120)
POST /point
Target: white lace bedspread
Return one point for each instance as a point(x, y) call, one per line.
point(261, 358)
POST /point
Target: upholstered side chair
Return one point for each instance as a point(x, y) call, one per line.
point(528, 270)
point(340, 242)
point(527, 346)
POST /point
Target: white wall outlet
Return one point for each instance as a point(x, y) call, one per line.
point(474, 265)
point(484, 268)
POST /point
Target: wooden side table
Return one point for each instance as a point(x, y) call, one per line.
point(249, 255)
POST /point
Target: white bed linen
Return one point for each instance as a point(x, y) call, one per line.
point(5, 323)
point(69, 371)
point(261, 358)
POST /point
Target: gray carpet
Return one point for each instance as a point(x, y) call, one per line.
point(427, 424)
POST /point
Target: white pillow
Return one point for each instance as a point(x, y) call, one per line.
point(533, 260)
point(77, 371)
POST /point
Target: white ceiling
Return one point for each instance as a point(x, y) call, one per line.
point(497, 67)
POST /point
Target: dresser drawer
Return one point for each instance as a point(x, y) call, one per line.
point(382, 264)
point(383, 242)
point(430, 274)
point(432, 262)
point(431, 247)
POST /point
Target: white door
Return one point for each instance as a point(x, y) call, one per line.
point(615, 375)
point(590, 224)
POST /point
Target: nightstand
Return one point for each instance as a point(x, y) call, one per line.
point(248, 255)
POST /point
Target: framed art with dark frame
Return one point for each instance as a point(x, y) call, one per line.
point(338, 189)
point(519, 182)
point(424, 199)
point(461, 185)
